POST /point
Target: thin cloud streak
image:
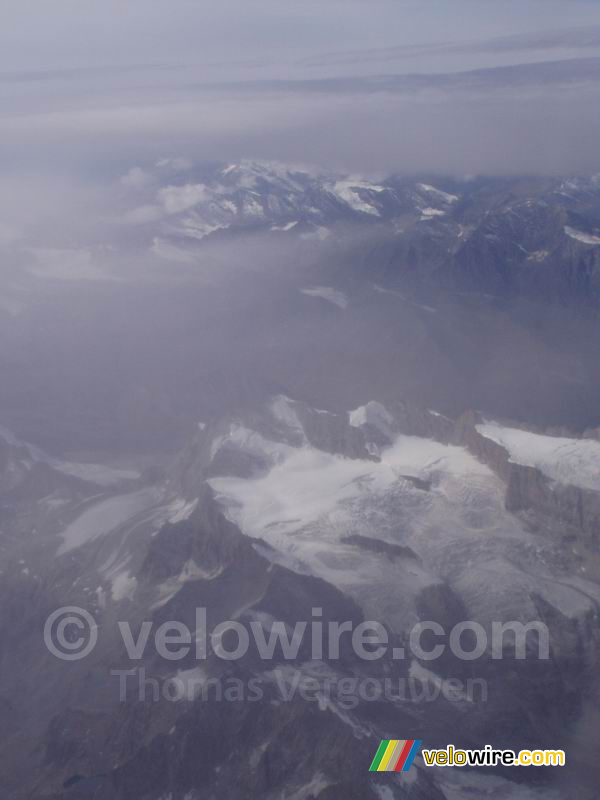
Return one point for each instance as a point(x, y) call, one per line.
point(574, 38)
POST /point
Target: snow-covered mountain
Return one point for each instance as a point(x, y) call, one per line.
point(506, 237)
point(285, 198)
point(394, 514)
point(278, 339)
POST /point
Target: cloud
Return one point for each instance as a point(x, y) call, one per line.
point(542, 118)
point(76, 74)
point(545, 73)
point(170, 252)
point(177, 164)
point(64, 264)
point(587, 38)
point(175, 199)
point(9, 234)
point(136, 178)
point(142, 215)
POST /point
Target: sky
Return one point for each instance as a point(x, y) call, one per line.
point(105, 105)
point(225, 38)
point(88, 88)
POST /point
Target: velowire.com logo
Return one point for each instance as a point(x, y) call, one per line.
point(395, 755)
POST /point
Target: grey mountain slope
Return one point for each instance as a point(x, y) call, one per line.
point(483, 562)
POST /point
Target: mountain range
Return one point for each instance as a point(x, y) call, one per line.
point(303, 391)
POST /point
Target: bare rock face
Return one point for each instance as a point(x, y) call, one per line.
point(331, 432)
point(416, 421)
point(577, 510)
point(205, 538)
point(491, 453)
point(567, 510)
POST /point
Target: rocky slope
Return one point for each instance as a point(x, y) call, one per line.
point(534, 238)
point(391, 514)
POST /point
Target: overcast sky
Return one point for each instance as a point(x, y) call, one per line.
point(90, 86)
point(222, 36)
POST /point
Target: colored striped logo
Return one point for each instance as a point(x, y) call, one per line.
point(395, 755)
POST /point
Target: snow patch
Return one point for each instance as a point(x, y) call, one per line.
point(287, 227)
point(104, 517)
point(445, 196)
point(252, 208)
point(123, 586)
point(580, 236)
point(327, 293)
point(538, 256)
point(310, 483)
point(429, 213)
point(196, 229)
point(98, 474)
point(348, 191)
point(253, 443)
point(374, 414)
point(181, 509)
point(567, 461)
